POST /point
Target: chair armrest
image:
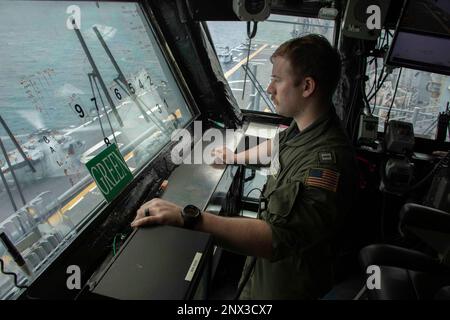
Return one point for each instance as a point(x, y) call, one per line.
point(388, 255)
point(415, 215)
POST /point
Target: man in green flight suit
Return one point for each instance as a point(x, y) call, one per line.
point(310, 192)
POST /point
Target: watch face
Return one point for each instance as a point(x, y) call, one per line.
point(191, 211)
point(191, 215)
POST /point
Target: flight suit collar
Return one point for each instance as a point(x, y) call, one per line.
point(311, 132)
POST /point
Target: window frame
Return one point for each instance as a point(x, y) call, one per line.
point(254, 114)
point(100, 212)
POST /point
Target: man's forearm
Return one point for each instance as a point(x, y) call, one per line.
point(244, 235)
point(251, 156)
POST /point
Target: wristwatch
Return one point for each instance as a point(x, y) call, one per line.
point(191, 216)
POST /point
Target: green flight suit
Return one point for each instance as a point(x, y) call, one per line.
point(307, 201)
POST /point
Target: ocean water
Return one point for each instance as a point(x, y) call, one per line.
point(44, 70)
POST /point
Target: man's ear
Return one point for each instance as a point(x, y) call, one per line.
point(309, 86)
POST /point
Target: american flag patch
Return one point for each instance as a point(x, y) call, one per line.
point(323, 178)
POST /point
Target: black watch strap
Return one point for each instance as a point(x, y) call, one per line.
point(191, 216)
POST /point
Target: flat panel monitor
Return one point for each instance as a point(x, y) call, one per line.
point(422, 38)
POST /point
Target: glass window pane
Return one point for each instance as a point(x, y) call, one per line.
point(65, 94)
point(232, 46)
point(419, 98)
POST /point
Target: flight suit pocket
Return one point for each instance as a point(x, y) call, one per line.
point(281, 201)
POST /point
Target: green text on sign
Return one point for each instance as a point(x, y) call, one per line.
point(110, 172)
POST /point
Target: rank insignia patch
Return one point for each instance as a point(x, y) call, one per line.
point(323, 178)
point(326, 157)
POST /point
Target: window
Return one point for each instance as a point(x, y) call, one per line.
point(419, 99)
point(232, 46)
point(65, 94)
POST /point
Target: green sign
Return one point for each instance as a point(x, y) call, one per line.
point(110, 172)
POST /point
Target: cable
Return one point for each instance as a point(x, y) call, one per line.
point(353, 98)
point(375, 59)
point(363, 85)
point(381, 83)
point(248, 193)
point(122, 236)
point(245, 278)
point(250, 34)
point(252, 259)
point(14, 275)
point(360, 78)
point(381, 79)
point(374, 82)
point(260, 194)
point(114, 245)
point(252, 263)
point(442, 163)
point(384, 39)
point(393, 99)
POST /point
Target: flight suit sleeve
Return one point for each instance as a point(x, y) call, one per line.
point(303, 211)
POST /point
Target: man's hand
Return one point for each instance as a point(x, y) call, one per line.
point(223, 155)
point(158, 211)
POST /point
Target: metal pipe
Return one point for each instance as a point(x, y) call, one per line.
point(91, 78)
point(119, 71)
point(105, 111)
point(415, 115)
point(122, 79)
point(12, 171)
point(19, 148)
point(256, 92)
point(260, 89)
point(97, 73)
point(8, 190)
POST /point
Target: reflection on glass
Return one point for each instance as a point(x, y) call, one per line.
point(232, 46)
point(75, 77)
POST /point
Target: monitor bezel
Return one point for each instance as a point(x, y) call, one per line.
point(416, 65)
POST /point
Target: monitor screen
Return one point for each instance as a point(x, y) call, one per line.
point(422, 38)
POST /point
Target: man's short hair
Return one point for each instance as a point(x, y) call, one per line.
point(313, 56)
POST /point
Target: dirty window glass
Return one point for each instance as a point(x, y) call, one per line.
point(419, 99)
point(232, 46)
point(75, 77)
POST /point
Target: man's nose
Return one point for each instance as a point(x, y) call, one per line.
point(270, 88)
